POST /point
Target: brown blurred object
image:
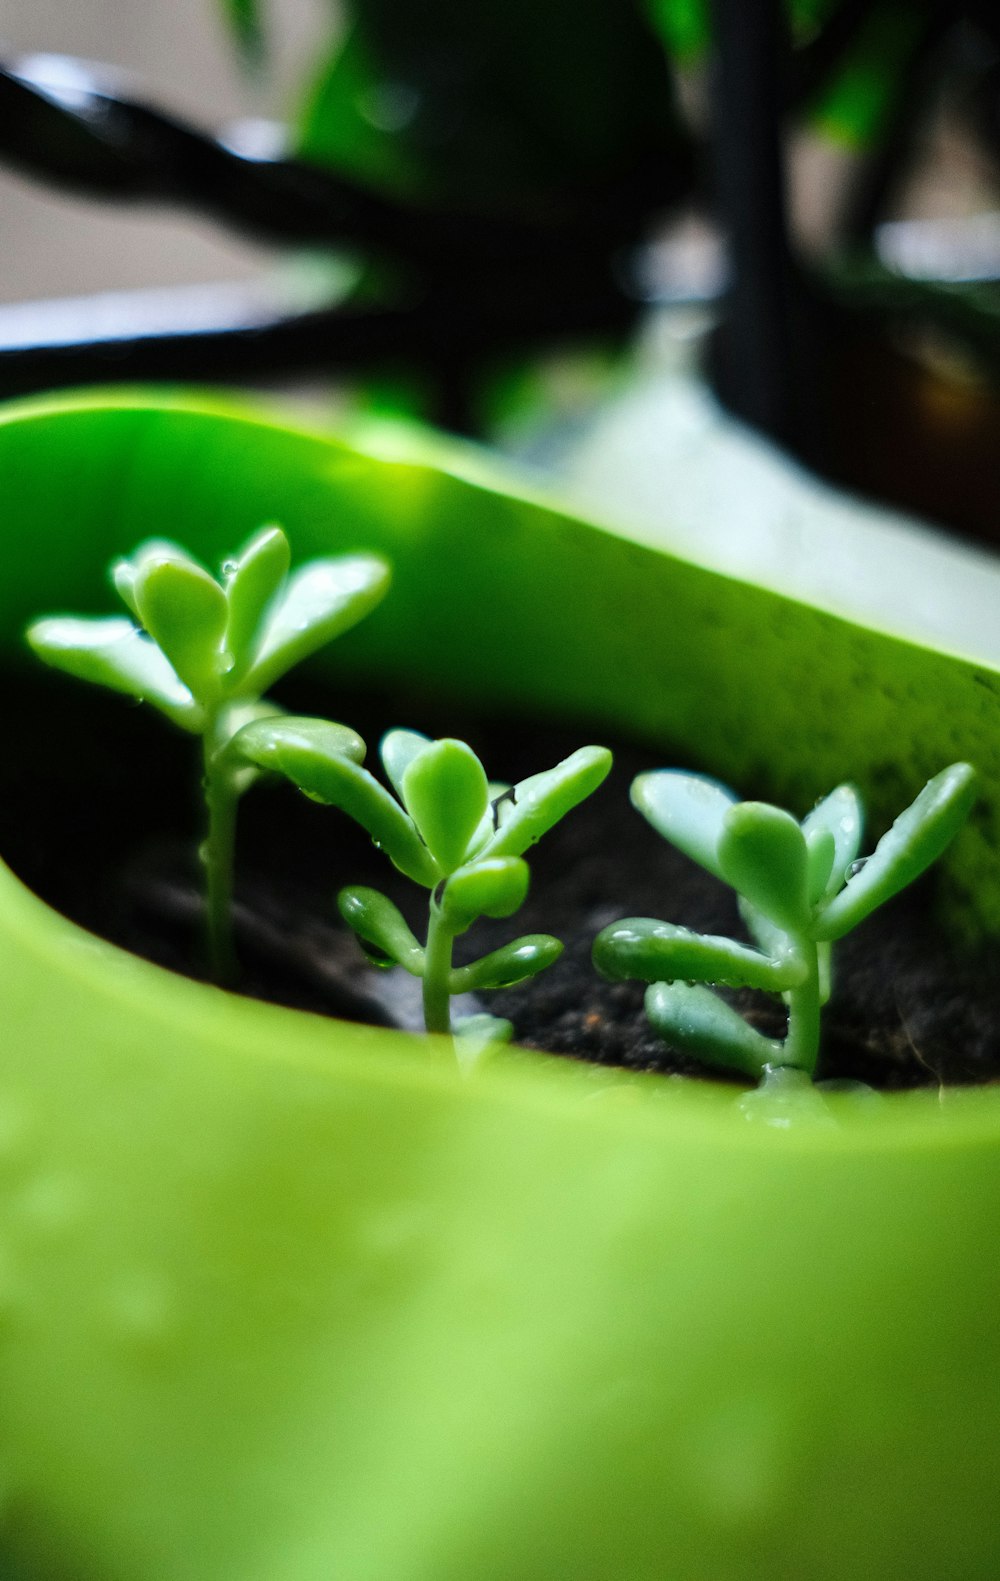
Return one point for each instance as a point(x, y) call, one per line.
point(916, 427)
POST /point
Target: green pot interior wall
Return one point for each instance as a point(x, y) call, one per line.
point(283, 1300)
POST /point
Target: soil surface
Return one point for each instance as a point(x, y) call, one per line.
point(110, 840)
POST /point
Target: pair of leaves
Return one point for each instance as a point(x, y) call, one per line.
point(462, 818)
point(798, 877)
point(448, 815)
point(200, 641)
point(387, 940)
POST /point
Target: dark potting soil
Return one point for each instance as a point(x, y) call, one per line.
point(98, 814)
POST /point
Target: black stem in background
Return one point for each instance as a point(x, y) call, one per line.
point(754, 368)
point(89, 139)
point(447, 337)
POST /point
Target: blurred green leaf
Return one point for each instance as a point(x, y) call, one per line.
point(111, 652)
point(184, 610)
point(501, 106)
point(397, 750)
point(246, 24)
point(321, 600)
point(686, 809)
point(254, 578)
point(855, 105)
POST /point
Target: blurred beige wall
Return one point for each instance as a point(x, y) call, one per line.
point(176, 53)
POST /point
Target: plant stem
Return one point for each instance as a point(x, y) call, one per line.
point(217, 852)
point(801, 1047)
point(437, 969)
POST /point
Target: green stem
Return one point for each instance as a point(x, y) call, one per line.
point(217, 852)
point(801, 1046)
point(437, 971)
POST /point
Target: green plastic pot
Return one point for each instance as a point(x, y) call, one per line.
point(284, 1299)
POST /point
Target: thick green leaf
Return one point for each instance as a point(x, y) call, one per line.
point(251, 582)
point(184, 610)
point(687, 809)
point(309, 753)
point(762, 853)
point(654, 952)
point(916, 839)
point(493, 887)
point(695, 1021)
point(149, 552)
point(112, 652)
point(540, 801)
point(821, 868)
point(842, 817)
point(511, 964)
point(397, 750)
point(321, 600)
point(445, 792)
point(382, 931)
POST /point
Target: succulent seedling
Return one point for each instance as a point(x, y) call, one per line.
point(204, 651)
point(801, 887)
point(450, 831)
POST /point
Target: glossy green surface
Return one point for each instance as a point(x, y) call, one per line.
point(289, 1301)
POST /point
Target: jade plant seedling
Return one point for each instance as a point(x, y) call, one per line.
point(450, 831)
point(205, 651)
point(801, 887)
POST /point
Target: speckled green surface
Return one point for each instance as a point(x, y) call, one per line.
point(288, 1300)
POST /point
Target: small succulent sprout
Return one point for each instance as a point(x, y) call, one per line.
point(449, 830)
point(801, 887)
point(204, 650)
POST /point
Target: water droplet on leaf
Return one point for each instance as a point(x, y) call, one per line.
point(375, 955)
point(855, 868)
